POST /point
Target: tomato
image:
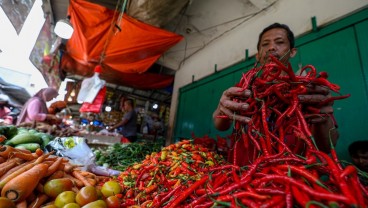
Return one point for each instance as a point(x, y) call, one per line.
point(54, 187)
point(112, 202)
point(110, 188)
point(64, 198)
point(71, 205)
point(96, 204)
point(5, 202)
point(86, 195)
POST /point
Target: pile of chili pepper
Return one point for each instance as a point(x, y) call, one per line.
point(165, 174)
point(276, 175)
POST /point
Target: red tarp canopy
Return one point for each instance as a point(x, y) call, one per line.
point(127, 52)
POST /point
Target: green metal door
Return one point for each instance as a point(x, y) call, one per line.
point(338, 54)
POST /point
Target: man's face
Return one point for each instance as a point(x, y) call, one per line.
point(361, 160)
point(275, 42)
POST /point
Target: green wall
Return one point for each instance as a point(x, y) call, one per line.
point(340, 48)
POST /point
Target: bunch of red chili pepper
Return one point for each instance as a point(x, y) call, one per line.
point(276, 175)
point(163, 175)
point(279, 176)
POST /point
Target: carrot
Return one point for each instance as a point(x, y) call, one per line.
point(6, 151)
point(41, 199)
point(68, 168)
point(39, 188)
point(6, 166)
point(2, 138)
point(21, 170)
point(39, 152)
point(23, 155)
point(5, 202)
point(22, 204)
point(15, 169)
point(92, 181)
point(79, 176)
point(56, 174)
point(76, 181)
point(21, 186)
point(54, 167)
point(31, 197)
point(87, 174)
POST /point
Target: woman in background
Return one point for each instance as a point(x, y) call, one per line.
point(5, 117)
point(35, 108)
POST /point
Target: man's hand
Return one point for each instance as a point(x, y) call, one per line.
point(314, 99)
point(228, 109)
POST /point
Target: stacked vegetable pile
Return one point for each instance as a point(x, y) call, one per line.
point(275, 176)
point(33, 179)
point(119, 156)
point(166, 174)
point(23, 138)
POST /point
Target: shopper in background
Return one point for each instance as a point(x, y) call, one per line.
point(35, 108)
point(128, 123)
point(278, 40)
point(358, 152)
point(5, 117)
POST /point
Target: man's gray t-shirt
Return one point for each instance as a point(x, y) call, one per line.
point(130, 128)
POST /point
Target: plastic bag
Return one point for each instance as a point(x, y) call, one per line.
point(76, 149)
point(90, 87)
point(96, 105)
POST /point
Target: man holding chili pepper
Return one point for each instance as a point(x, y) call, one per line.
point(277, 40)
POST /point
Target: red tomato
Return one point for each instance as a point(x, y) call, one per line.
point(86, 195)
point(112, 202)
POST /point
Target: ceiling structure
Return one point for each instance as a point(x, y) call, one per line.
point(200, 22)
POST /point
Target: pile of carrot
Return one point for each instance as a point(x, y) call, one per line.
point(23, 175)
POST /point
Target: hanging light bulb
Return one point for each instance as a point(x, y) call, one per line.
point(64, 29)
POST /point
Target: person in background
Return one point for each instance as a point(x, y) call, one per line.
point(128, 123)
point(5, 117)
point(35, 108)
point(278, 40)
point(358, 152)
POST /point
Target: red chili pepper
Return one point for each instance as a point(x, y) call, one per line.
point(166, 197)
point(187, 192)
point(220, 180)
point(336, 174)
point(319, 195)
point(150, 188)
point(242, 194)
point(303, 173)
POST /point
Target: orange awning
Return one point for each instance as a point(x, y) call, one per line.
point(131, 49)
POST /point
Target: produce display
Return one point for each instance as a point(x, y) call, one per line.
point(35, 179)
point(119, 156)
point(191, 173)
point(167, 174)
point(23, 138)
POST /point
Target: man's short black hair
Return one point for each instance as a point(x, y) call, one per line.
point(290, 34)
point(130, 101)
point(358, 146)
